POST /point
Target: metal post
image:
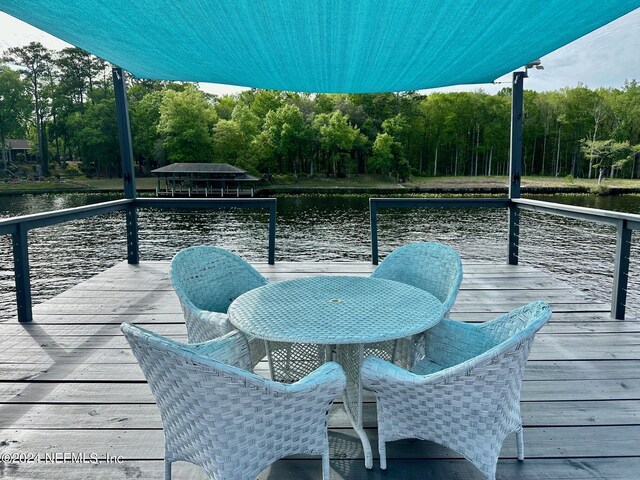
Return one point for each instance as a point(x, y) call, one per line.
point(515, 164)
point(514, 234)
point(621, 270)
point(128, 171)
point(21, 271)
point(373, 214)
point(272, 233)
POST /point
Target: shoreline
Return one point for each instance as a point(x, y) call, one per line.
point(433, 186)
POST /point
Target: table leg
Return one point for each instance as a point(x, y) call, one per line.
point(350, 358)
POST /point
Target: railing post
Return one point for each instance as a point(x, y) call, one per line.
point(621, 270)
point(373, 215)
point(128, 171)
point(272, 233)
point(514, 234)
point(133, 250)
point(517, 95)
point(21, 272)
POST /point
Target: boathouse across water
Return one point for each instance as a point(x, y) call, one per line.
point(204, 180)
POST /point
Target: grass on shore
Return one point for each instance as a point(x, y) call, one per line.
point(81, 183)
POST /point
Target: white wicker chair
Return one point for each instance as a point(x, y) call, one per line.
point(228, 421)
point(431, 266)
point(465, 394)
point(206, 280)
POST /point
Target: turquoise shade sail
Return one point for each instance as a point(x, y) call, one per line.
point(354, 46)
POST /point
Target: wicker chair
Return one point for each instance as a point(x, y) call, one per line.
point(431, 266)
point(230, 422)
point(207, 279)
point(465, 394)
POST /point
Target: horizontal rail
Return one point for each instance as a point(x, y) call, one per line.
point(46, 219)
point(268, 203)
point(579, 213)
point(439, 202)
point(377, 203)
point(166, 203)
point(624, 223)
point(18, 228)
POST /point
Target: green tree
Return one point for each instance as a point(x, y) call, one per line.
point(382, 154)
point(35, 61)
point(145, 118)
point(224, 107)
point(248, 121)
point(285, 129)
point(186, 125)
point(337, 137)
point(398, 128)
point(608, 154)
point(15, 108)
point(262, 102)
point(262, 153)
point(228, 141)
point(626, 110)
point(95, 133)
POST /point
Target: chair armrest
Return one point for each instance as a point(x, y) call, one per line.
point(203, 325)
point(231, 349)
point(328, 376)
point(377, 373)
point(257, 349)
point(380, 375)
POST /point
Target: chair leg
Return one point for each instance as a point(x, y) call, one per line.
point(382, 450)
point(326, 469)
point(520, 444)
point(167, 469)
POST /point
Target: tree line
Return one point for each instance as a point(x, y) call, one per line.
point(64, 102)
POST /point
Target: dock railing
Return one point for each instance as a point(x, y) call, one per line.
point(625, 224)
point(18, 228)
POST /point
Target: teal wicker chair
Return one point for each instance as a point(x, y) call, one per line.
point(431, 266)
point(230, 422)
point(465, 393)
point(207, 279)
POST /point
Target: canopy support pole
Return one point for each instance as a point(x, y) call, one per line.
point(128, 171)
point(515, 162)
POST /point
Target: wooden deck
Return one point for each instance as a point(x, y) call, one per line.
point(69, 384)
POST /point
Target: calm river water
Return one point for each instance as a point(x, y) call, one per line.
point(312, 228)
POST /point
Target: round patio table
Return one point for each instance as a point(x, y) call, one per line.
point(302, 319)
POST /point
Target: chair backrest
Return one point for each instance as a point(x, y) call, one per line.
point(194, 392)
point(431, 266)
point(509, 332)
point(231, 422)
point(211, 278)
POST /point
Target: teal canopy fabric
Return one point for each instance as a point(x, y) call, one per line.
point(320, 45)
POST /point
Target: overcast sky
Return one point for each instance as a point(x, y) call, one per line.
point(604, 58)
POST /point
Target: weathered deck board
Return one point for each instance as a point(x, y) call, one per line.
point(68, 383)
point(146, 416)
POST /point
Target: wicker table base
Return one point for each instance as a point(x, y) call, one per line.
point(309, 321)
